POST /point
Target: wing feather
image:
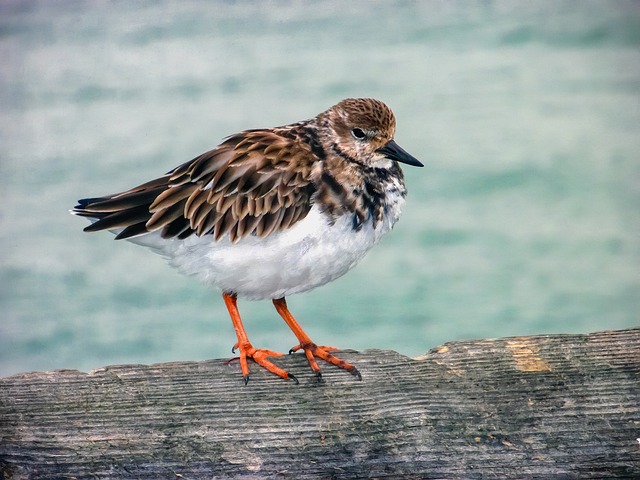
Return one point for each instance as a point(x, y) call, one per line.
point(172, 195)
point(254, 183)
point(165, 216)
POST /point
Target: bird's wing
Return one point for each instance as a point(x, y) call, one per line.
point(256, 182)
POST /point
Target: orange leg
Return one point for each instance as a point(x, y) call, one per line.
point(311, 350)
point(246, 350)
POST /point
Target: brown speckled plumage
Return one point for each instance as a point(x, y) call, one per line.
point(260, 181)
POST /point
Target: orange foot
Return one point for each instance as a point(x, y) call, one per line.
point(311, 350)
point(261, 357)
point(246, 350)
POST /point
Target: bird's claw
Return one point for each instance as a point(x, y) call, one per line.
point(313, 351)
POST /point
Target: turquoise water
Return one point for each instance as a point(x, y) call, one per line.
point(525, 219)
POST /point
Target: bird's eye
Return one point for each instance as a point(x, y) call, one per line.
point(358, 133)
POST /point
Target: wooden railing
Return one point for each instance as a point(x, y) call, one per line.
point(549, 406)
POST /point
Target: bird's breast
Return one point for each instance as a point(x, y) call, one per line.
point(375, 197)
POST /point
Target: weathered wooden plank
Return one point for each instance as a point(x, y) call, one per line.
point(550, 406)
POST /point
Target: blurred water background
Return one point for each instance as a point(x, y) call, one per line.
point(525, 219)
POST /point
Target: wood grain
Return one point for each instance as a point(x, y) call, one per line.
point(549, 406)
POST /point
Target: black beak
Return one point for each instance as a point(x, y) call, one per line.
point(395, 152)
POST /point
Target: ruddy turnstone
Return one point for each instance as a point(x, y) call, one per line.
point(271, 212)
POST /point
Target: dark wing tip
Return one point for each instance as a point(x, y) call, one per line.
point(83, 203)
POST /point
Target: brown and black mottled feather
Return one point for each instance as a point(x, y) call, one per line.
point(261, 181)
point(254, 183)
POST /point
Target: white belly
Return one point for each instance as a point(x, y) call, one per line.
point(309, 254)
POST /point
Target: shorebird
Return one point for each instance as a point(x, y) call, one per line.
point(271, 212)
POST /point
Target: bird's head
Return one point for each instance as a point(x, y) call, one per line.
point(362, 129)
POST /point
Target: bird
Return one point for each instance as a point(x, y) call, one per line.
point(271, 212)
